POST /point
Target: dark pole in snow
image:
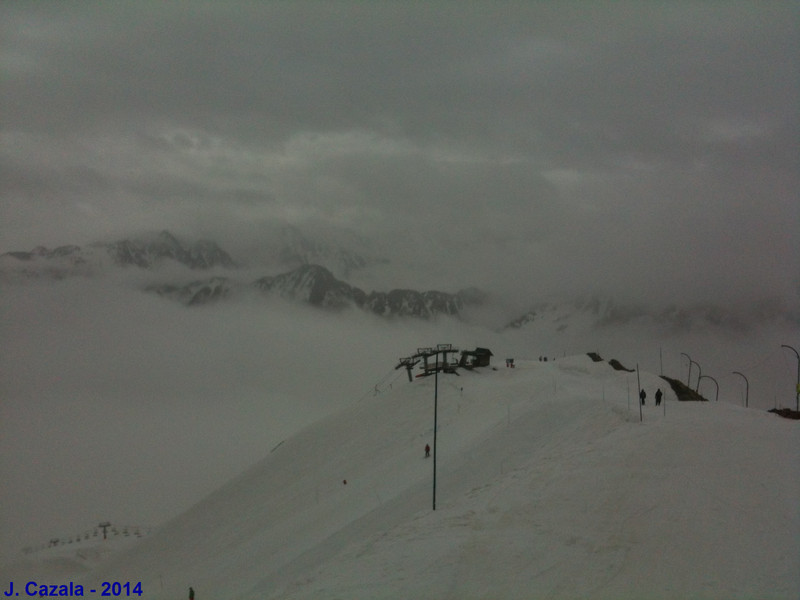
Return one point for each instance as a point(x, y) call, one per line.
point(639, 386)
point(712, 379)
point(699, 377)
point(797, 389)
point(747, 387)
point(689, 376)
point(435, 419)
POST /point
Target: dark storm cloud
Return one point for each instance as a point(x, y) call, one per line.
point(538, 132)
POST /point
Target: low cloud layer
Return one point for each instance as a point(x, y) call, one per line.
point(120, 405)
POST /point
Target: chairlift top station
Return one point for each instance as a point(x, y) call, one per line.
point(469, 359)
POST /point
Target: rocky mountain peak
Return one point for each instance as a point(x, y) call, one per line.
point(147, 252)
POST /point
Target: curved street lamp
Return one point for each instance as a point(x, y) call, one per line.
point(747, 388)
point(797, 388)
point(689, 376)
point(699, 377)
point(715, 383)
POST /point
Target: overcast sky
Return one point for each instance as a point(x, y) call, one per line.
point(639, 146)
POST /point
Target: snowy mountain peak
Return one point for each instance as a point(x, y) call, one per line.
point(147, 252)
point(196, 292)
point(314, 285)
point(317, 286)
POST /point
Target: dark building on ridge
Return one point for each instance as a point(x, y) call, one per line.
point(480, 357)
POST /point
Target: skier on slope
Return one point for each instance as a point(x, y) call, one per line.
point(642, 396)
point(427, 450)
point(659, 395)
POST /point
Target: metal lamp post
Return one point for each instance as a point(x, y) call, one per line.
point(689, 376)
point(712, 379)
point(444, 349)
point(747, 387)
point(797, 388)
point(435, 422)
point(699, 377)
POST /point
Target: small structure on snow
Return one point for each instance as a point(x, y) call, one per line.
point(423, 354)
point(480, 357)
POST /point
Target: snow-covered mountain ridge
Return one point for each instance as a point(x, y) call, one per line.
point(312, 284)
point(540, 468)
point(146, 252)
point(284, 248)
point(604, 312)
point(316, 283)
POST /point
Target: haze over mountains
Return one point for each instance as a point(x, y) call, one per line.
point(312, 279)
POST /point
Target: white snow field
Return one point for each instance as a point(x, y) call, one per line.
point(548, 486)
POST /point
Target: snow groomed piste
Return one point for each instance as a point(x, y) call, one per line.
point(548, 485)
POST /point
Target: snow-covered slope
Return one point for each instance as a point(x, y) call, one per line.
point(548, 485)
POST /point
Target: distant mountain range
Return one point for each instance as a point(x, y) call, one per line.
point(599, 312)
point(314, 283)
point(317, 286)
point(146, 252)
